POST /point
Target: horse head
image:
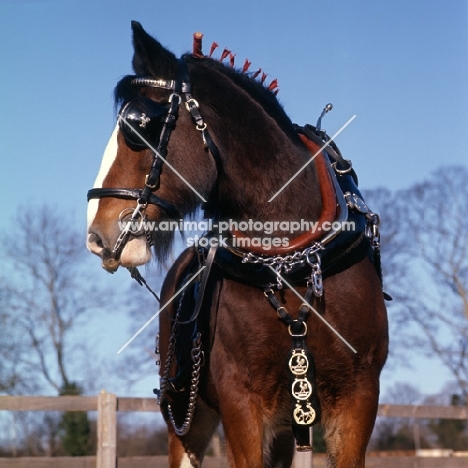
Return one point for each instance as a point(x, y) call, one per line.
point(162, 161)
point(134, 167)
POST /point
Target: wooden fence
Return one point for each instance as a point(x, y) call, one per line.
point(107, 405)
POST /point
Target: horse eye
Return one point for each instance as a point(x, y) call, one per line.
point(141, 122)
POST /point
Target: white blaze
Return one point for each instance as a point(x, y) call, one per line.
point(107, 160)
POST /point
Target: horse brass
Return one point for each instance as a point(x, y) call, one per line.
point(298, 364)
point(301, 389)
point(304, 415)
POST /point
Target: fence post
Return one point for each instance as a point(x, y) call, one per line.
point(107, 430)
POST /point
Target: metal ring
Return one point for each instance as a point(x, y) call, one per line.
point(125, 213)
point(129, 228)
point(310, 262)
point(343, 171)
point(297, 335)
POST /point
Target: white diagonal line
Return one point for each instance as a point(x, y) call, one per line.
point(160, 310)
point(158, 154)
point(312, 158)
point(312, 309)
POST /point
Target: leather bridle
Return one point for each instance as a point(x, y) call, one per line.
point(138, 121)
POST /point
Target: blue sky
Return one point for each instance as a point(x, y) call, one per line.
point(400, 66)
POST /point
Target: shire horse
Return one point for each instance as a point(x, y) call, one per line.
point(266, 331)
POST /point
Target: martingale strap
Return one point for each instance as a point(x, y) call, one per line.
point(306, 410)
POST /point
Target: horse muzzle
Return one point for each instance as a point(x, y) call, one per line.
point(96, 246)
point(134, 252)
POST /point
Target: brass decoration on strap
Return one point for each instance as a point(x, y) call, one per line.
point(298, 364)
point(301, 389)
point(304, 415)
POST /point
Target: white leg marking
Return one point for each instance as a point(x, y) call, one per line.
point(107, 160)
point(186, 462)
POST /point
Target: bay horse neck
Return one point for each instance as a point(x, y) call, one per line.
point(259, 146)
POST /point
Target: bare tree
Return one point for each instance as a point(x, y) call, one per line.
point(386, 203)
point(10, 349)
point(427, 270)
point(438, 235)
point(49, 298)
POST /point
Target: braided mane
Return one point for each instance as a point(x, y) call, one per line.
point(253, 87)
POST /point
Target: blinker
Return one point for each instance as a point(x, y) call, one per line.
point(141, 122)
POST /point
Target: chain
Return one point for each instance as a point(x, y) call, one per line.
point(170, 353)
point(197, 359)
point(197, 355)
point(284, 263)
point(372, 229)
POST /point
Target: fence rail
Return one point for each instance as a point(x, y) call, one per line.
point(423, 412)
point(107, 405)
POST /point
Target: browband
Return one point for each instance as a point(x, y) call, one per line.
point(185, 86)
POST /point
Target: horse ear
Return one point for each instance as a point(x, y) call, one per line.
point(150, 57)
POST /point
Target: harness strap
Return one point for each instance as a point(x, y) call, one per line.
point(306, 409)
point(153, 178)
point(192, 107)
point(202, 286)
point(134, 194)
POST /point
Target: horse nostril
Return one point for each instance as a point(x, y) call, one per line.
point(95, 239)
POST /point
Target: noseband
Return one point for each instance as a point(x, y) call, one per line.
point(141, 119)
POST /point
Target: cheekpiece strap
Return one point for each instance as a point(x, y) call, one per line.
point(181, 83)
